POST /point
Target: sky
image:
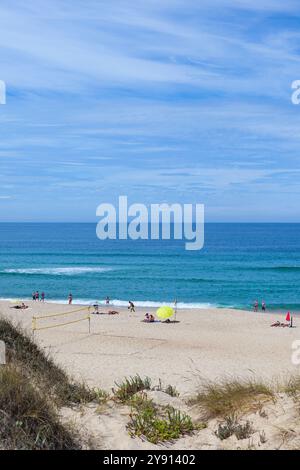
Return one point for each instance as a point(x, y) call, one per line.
point(184, 101)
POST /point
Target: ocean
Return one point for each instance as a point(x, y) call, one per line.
point(238, 264)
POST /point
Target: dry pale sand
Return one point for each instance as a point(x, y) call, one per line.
point(203, 344)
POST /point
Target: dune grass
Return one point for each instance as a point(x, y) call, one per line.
point(32, 390)
point(229, 396)
point(28, 420)
point(41, 369)
point(130, 386)
point(292, 387)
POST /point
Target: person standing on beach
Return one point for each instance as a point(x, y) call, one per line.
point(70, 298)
point(256, 306)
point(33, 296)
point(37, 296)
point(43, 297)
point(107, 300)
point(263, 306)
point(131, 306)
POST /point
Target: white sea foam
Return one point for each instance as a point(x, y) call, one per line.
point(66, 271)
point(124, 303)
point(140, 303)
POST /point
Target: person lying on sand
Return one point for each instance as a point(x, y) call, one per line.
point(113, 312)
point(22, 306)
point(149, 318)
point(96, 308)
point(283, 325)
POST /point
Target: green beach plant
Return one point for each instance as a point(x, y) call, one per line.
point(231, 426)
point(130, 386)
point(170, 389)
point(230, 396)
point(157, 424)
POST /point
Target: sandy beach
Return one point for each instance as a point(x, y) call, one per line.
point(205, 344)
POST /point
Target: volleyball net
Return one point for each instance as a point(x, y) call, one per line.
point(40, 322)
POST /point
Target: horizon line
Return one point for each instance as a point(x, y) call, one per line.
point(95, 222)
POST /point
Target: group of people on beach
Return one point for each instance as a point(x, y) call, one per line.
point(256, 305)
point(149, 318)
point(37, 297)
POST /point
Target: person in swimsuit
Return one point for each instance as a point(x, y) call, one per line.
point(96, 308)
point(70, 298)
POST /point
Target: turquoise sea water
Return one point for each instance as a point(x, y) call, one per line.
point(239, 264)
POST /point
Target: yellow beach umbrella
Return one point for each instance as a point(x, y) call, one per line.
point(163, 313)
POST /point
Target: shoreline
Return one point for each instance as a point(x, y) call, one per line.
point(153, 305)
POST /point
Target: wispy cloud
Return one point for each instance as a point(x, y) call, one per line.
point(153, 99)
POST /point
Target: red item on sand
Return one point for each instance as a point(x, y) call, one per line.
point(288, 317)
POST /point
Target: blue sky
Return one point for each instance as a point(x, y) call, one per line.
point(162, 101)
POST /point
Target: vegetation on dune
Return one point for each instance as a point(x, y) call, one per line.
point(41, 369)
point(169, 390)
point(156, 423)
point(134, 384)
point(148, 420)
point(130, 386)
point(28, 420)
point(231, 396)
point(231, 426)
point(292, 387)
point(32, 388)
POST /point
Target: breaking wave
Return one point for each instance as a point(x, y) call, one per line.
point(66, 271)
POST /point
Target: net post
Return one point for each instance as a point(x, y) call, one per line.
point(33, 325)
